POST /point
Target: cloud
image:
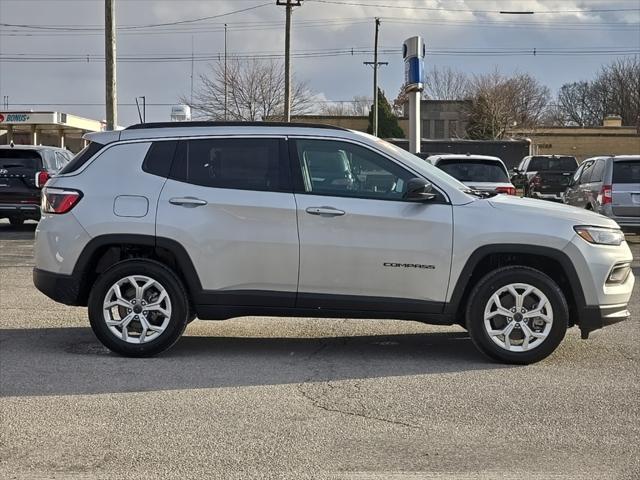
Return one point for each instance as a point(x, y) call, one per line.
point(261, 30)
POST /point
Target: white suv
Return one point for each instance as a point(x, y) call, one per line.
point(159, 223)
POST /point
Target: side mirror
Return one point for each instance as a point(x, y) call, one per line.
point(515, 170)
point(419, 190)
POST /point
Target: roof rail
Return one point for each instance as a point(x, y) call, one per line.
point(140, 126)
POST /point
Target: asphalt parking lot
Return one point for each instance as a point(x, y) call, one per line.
point(304, 398)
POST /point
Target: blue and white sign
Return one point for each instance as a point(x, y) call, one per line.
point(413, 52)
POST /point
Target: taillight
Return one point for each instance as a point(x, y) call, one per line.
point(507, 190)
point(605, 196)
point(55, 200)
point(41, 178)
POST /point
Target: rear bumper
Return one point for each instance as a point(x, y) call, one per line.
point(61, 288)
point(626, 223)
point(594, 317)
point(555, 196)
point(28, 210)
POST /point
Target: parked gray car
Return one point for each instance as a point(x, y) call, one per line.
point(610, 186)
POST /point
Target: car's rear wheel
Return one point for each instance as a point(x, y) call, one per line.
point(517, 315)
point(138, 308)
point(16, 221)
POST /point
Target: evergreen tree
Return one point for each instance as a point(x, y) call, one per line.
point(387, 122)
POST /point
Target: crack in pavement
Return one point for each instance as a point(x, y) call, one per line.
point(317, 403)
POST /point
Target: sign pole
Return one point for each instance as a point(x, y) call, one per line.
point(413, 51)
point(414, 122)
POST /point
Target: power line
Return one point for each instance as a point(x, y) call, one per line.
point(25, 58)
point(443, 9)
point(133, 27)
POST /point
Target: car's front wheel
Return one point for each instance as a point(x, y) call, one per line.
point(16, 221)
point(138, 308)
point(517, 315)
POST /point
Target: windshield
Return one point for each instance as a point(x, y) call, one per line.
point(14, 158)
point(474, 170)
point(553, 163)
point(626, 172)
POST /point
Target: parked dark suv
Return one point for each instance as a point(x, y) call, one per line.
point(544, 176)
point(24, 169)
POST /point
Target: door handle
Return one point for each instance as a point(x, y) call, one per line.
point(325, 211)
point(189, 202)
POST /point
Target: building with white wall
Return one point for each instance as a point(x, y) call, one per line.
point(57, 129)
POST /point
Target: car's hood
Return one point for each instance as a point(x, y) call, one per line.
point(530, 206)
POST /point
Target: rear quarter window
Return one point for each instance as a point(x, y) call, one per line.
point(626, 172)
point(82, 157)
point(159, 158)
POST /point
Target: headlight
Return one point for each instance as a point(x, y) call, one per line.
point(600, 235)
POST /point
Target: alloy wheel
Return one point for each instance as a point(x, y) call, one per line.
point(518, 317)
point(137, 309)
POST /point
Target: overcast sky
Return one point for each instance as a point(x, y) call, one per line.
point(69, 68)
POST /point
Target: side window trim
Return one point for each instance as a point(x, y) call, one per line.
point(297, 176)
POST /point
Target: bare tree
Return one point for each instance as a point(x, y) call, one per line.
point(359, 106)
point(615, 90)
point(255, 91)
point(577, 105)
point(499, 103)
point(400, 102)
point(445, 83)
point(362, 105)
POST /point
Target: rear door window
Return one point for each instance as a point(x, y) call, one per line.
point(238, 163)
point(626, 171)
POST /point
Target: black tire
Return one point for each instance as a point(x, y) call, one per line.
point(175, 291)
point(502, 277)
point(16, 221)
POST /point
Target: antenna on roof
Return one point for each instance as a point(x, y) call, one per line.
point(143, 116)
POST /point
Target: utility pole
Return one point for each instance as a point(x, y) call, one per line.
point(225, 71)
point(289, 4)
point(192, 60)
point(110, 63)
point(375, 80)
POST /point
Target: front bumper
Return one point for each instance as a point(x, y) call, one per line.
point(61, 288)
point(593, 318)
